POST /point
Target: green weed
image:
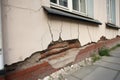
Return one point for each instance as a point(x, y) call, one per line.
point(104, 52)
point(95, 57)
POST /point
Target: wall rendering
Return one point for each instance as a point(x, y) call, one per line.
point(27, 28)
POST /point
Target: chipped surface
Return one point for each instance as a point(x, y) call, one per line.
point(68, 49)
point(69, 57)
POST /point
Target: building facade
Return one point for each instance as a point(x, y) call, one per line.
point(31, 28)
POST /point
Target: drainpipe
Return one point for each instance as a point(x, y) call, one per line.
point(2, 71)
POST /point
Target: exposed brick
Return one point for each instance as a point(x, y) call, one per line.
point(43, 69)
point(32, 73)
point(63, 44)
point(86, 52)
point(2, 78)
point(58, 47)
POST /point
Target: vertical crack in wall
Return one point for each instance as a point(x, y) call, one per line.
point(50, 28)
point(89, 34)
point(61, 27)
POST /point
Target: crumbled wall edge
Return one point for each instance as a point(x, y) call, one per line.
point(83, 52)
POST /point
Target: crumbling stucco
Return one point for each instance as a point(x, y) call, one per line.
point(68, 49)
point(66, 58)
point(29, 28)
point(48, 61)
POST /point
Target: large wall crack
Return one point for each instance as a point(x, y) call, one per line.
point(54, 48)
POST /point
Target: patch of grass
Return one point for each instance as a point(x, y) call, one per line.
point(104, 52)
point(95, 57)
point(118, 45)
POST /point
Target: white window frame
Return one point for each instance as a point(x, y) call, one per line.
point(70, 7)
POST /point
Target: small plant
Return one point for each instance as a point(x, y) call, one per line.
point(104, 52)
point(118, 45)
point(95, 57)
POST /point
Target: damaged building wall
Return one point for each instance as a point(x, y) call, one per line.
point(37, 44)
point(66, 49)
point(28, 29)
point(57, 56)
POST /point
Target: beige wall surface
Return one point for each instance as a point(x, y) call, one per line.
point(27, 28)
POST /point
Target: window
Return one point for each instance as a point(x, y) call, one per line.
point(111, 11)
point(63, 3)
point(53, 1)
point(79, 5)
point(75, 5)
point(82, 7)
point(60, 2)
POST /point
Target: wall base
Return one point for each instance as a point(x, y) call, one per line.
point(45, 68)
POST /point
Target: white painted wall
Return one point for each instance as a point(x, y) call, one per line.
point(1, 51)
point(26, 30)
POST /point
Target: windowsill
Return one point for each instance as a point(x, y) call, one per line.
point(112, 26)
point(59, 7)
point(79, 13)
point(66, 14)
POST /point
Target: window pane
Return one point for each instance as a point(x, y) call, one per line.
point(90, 8)
point(111, 11)
point(82, 6)
point(53, 1)
point(63, 2)
point(75, 5)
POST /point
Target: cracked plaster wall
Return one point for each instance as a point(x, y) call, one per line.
point(27, 28)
